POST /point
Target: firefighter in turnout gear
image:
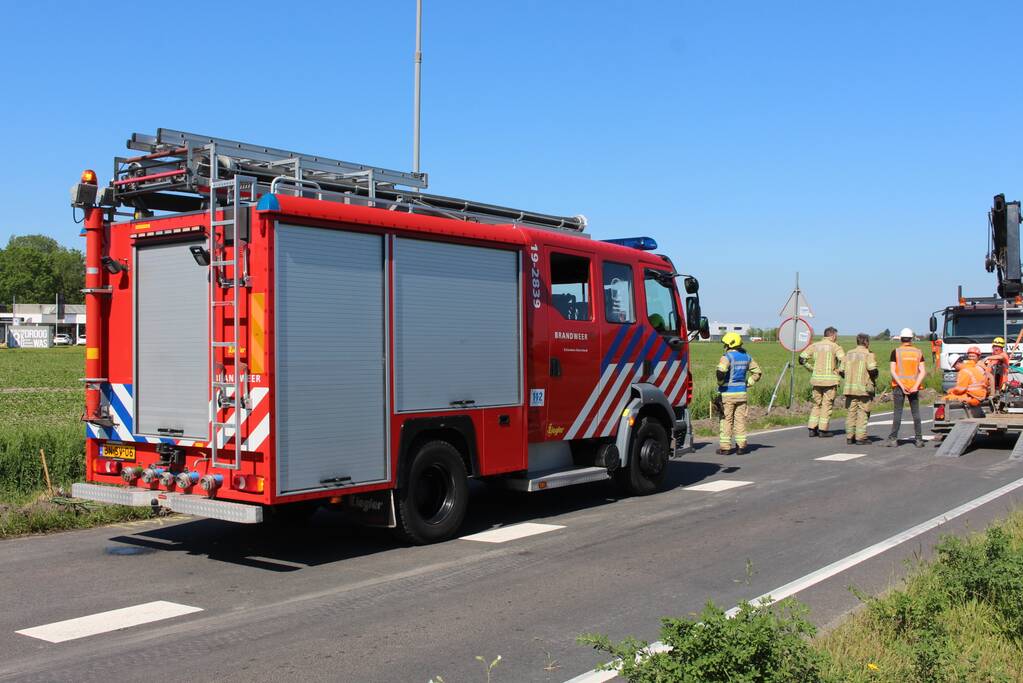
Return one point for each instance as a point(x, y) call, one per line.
point(908, 371)
point(735, 372)
point(822, 360)
point(971, 380)
point(859, 370)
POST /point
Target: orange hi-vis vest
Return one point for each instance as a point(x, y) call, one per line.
point(970, 382)
point(907, 364)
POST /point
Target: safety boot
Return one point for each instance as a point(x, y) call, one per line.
point(919, 442)
point(891, 442)
point(725, 451)
point(813, 432)
point(742, 450)
point(825, 434)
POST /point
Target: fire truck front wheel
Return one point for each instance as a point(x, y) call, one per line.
point(648, 459)
point(432, 503)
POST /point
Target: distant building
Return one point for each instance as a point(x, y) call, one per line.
point(44, 316)
point(719, 329)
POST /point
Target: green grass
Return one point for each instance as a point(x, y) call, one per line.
point(59, 367)
point(957, 618)
point(41, 404)
point(772, 357)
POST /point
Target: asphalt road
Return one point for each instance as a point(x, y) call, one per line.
point(330, 602)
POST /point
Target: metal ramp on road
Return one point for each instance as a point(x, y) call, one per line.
point(1017, 450)
point(959, 439)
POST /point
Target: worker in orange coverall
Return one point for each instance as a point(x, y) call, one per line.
point(971, 381)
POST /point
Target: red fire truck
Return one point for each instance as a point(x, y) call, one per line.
point(269, 331)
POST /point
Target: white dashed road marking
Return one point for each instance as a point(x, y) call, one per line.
point(719, 485)
point(904, 422)
point(841, 457)
point(103, 622)
point(512, 533)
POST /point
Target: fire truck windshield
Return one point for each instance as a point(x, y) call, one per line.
point(978, 327)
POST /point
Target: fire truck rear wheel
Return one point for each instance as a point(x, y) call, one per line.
point(433, 500)
point(648, 459)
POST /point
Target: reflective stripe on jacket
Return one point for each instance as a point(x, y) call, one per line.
point(908, 359)
point(823, 359)
point(857, 366)
point(738, 368)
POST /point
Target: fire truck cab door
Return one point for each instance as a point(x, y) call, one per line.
point(573, 339)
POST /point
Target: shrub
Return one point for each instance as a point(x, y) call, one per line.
point(761, 644)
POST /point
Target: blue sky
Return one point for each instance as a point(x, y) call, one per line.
point(859, 143)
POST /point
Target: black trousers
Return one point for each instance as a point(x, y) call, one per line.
point(900, 398)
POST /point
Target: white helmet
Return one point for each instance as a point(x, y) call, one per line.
point(906, 333)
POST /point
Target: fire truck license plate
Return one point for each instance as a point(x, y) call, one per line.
point(119, 451)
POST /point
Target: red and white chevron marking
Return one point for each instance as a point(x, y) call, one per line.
point(611, 394)
point(255, 421)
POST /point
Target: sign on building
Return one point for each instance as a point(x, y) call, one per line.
point(29, 336)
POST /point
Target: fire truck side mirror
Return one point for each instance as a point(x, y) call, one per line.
point(692, 313)
point(704, 328)
point(933, 336)
point(934, 325)
point(691, 284)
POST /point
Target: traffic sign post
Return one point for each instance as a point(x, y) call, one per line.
point(794, 334)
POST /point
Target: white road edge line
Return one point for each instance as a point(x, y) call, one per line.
point(803, 426)
point(103, 622)
point(824, 573)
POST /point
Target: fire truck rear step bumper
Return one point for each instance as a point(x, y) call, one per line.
point(555, 479)
point(184, 503)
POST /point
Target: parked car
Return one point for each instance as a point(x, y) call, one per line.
point(62, 340)
point(81, 340)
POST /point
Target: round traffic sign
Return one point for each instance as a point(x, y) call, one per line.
point(795, 334)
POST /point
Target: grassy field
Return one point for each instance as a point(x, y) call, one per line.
point(772, 358)
point(41, 404)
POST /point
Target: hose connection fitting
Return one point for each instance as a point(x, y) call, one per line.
point(186, 480)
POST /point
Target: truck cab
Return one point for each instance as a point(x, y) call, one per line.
point(975, 322)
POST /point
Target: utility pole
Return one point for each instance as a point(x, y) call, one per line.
point(418, 61)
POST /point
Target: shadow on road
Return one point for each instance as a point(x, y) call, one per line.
point(328, 537)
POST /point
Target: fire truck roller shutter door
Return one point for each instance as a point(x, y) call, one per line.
point(171, 345)
point(457, 318)
point(331, 408)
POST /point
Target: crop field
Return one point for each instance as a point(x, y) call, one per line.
point(41, 403)
point(772, 358)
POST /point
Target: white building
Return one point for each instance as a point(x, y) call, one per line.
point(719, 329)
point(72, 323)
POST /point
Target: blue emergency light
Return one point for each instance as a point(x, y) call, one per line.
point(644, 243)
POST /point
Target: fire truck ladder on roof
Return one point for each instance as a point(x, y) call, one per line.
point(229, 274)
point(177, 169)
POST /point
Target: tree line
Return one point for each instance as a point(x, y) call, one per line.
point(35, 268)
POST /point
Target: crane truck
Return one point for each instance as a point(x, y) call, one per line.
point(976, 322)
